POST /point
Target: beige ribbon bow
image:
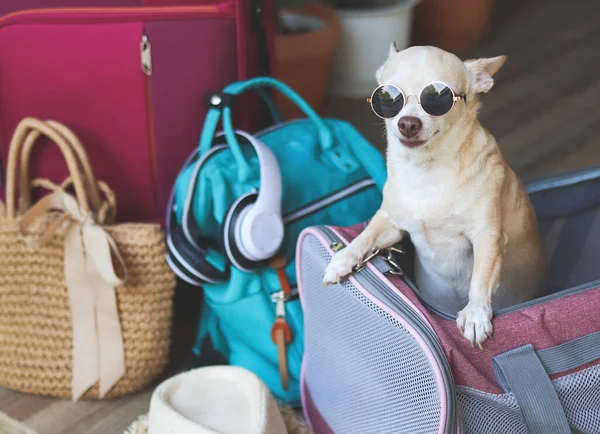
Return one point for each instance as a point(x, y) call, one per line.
point(98, 354)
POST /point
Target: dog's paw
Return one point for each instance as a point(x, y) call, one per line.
point(340, 266)
point(475, 323)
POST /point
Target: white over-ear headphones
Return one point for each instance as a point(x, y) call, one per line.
point(253, 227)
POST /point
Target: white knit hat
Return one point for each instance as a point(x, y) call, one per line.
point(214, 400)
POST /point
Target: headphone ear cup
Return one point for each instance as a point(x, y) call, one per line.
point(235, 252)
point(192, 261)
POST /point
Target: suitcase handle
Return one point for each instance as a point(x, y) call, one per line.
point(237, 88)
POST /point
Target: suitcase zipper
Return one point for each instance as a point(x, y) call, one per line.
point(112, 14)
point(146, 66)
point(146, 55)
point(387, 296)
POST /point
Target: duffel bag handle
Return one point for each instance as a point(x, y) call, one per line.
point(237, 88)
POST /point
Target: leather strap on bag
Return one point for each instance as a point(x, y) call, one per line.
point(281, 334)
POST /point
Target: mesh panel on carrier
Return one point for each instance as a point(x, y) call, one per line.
point(579, 394)
point(365, 387)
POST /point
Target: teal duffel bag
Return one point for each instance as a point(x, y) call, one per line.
point(311, 171)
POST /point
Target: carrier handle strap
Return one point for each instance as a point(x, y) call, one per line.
point(571, 354)
point(521, 372)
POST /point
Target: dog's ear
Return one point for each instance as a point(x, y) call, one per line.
point(482, 71)
point(392, 50)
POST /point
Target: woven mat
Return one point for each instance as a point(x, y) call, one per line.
point(10, 426)
point(294, 422)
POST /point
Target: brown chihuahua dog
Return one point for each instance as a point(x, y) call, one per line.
point(476, 236)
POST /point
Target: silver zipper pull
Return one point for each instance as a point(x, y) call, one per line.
point(281, 335)
point(279, 299)
point(146, 55)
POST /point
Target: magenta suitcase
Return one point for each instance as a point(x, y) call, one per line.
point(131, 78)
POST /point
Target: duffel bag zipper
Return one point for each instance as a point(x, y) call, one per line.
point(382, 292)
point(308, 209)
point(324, 201)
point(328, 200)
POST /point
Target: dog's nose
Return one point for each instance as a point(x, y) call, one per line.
point(410, 126)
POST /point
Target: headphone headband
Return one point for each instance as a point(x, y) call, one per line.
point(269, 195)
point(258, 231)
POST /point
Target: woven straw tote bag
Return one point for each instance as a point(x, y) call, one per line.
point(85, 304)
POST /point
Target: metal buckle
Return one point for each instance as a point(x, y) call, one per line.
point(361, 264)
point(387, 254)
point(282, 296)
point(389, 258)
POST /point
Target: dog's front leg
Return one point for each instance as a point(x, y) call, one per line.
point(475, 320)
point(379, 233)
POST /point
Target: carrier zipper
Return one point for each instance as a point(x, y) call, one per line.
point(510, 309)
point(393, 268)
point(380, 290)
point(559, 294)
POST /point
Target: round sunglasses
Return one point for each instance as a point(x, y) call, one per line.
point(436, 99)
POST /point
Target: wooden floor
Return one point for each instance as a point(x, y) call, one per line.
point(544, 111)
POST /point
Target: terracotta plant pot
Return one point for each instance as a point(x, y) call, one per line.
point(304, 59)
point(455, 26)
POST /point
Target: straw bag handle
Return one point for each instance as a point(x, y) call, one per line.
point(75, 143)
point(107, 211)
point(23, 132)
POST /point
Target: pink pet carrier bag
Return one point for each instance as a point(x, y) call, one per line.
point(380, 358)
